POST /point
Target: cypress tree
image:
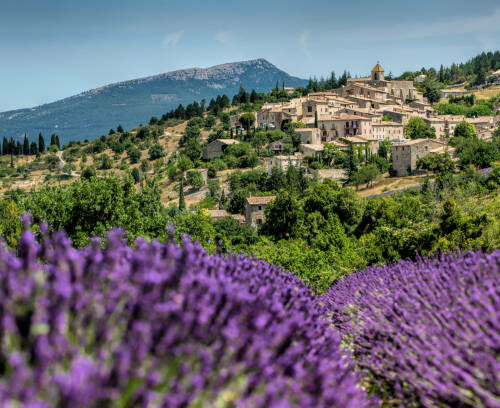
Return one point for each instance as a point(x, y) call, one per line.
point(26, 145)
point(182, 201)
point(19, 148)
point(57, 142)
point(316, 119)
point(52, 139)
point(5, 146)
point(33, 148)
point(41, 143)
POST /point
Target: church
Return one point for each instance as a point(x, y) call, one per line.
point(376, 87)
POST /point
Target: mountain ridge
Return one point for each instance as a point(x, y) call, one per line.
point(91, 113)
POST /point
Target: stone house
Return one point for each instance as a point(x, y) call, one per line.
point(278, 146)
point(221, 214)
point(311, 150)
point(289, 89)
point(440, 122)
point(283, 162)
point(405, 155)
point(387, 130)
point(309, 135)
point(254, 210)
point(216, 148)
point(270, 114)
point(453, 92)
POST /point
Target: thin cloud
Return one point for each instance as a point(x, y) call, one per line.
point(478, 26)
point(224, 37)
point(304, 38)
point(172, 39)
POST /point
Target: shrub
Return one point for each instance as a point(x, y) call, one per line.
point(173, 325)
point(426, 332)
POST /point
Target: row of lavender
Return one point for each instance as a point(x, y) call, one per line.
point(425, 333)
point(161, 325)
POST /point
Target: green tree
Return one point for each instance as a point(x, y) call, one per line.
point(134, 155)
point(437, 163)
point(106, 162)
point(464, 129)
point(10, 224)
point(156, 152)
point(282, 216)
point(193, 149)
point(41, 143)
point(195, 179)
point(88, 173)
point(432, 90)
point(247, 120)
point(26, 146)
point(416, 128)
point(182, 200)
point(136, 175)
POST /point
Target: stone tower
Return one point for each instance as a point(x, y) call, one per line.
point(377, 73)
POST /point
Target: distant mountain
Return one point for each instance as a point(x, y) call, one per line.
point(92, 113)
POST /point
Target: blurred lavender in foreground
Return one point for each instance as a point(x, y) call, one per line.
point(161, 325)
point(426, 332)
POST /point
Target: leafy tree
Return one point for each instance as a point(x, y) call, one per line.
point(184, 164)
point(464, 129)
point(195, 179)
point(156, 152)
point(136, 175)
point(106, 162)
point(432, 90)
point(10, 224)
point(88, 173)
point(247, 120)
point(437, 163)
point(134, 155)
point(209, 121)
point(193, 149)
point(119, 129)
point(385, 149)
point(92, 207)
point(416, 128)
point(282, 216)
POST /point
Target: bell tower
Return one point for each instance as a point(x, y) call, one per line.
point(377, 73)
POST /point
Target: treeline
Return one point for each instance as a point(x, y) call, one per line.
point(16, 148)
point(325, 84)
point(475, 70)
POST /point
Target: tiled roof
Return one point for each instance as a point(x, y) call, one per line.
point(260, 200)
point(238, 217)
point(228, 141)
point(217, 213)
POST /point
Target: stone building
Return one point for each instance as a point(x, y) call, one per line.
point(309, 135)
point(254, 210)
point(405, 155)
point(283, 162)
point(387, 130)
point(216, 148)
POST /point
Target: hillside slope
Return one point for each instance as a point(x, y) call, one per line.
point(91, 114)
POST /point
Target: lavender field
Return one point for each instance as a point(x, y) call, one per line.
point(161, 325)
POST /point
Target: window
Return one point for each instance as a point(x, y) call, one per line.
point(309, 108)
point(259, 221)
point(260, 208)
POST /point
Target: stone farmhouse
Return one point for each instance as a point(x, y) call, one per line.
point(216, 148)
point(254, 210)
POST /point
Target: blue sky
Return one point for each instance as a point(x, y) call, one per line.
point(56, 48)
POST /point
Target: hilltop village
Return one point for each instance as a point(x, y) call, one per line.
point(358, 116)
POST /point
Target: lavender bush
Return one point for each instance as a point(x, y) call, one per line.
point(161, 325)
point(426, 333)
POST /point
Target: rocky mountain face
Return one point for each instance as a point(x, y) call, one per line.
point(91, 114)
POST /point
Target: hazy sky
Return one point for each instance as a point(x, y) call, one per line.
point(51, 49)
